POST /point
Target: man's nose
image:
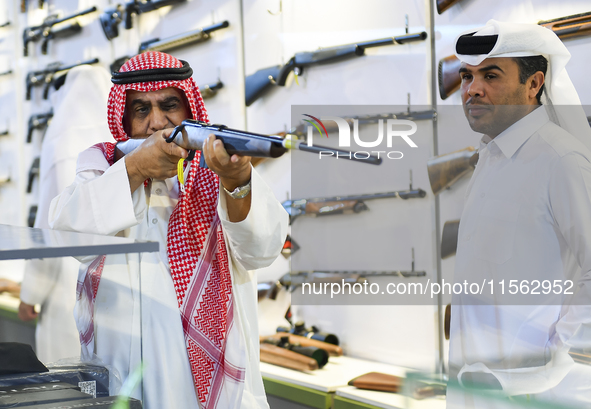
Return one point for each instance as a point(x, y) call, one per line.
point(158, 120)
point(475, 88)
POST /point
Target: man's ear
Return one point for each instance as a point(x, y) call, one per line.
point(534, 84)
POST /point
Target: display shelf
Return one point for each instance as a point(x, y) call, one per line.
point(295, 393)
point(18, 242)
point(349, 397)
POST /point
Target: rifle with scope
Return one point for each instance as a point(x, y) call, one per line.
point(256, 84)
point(47, 32)
point(291, 354)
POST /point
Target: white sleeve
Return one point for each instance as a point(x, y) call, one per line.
point(570, 200)
point(98, 203)
point(256, 241)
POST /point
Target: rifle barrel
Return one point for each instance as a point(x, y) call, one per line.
point(78, 14)
point(191, 37)
point(414, 193)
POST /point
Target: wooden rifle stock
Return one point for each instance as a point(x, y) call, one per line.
point(448, 74)
point(576, 25)
point(443, 5)
point(445, 170)
point(284, 357)
point(449, 238)
point(331, 349)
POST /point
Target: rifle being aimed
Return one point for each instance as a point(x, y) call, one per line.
point(342, 204)
point(577, 25)
point(47, 32)
point(192, 134)
point(259, 82)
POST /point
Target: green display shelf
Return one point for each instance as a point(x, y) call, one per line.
point(344, 403)
point(299, 394)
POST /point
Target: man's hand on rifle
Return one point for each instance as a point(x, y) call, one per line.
point(234, 171)
point(155, 158)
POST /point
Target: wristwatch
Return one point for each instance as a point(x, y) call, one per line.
point(240, 192)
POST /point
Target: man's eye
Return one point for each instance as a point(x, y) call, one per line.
point(170, 107)
point(466, 76)
point(142, 110)
point(490, 76)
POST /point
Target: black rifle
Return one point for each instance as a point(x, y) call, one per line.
point(111, 18)
point(210, 90)
point(192, 134)
point(180, 40)
point(5, 24)
point(5, 73)
point(323, 206)
point(33, 172)
point(256, 84)
point(38, 121)
point(47, 76)
point(4, 133)
point(46, 31)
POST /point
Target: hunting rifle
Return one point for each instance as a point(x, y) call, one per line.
point(192, 37)
point(5, 73)
point(171, 43)
point(38, 121)
point(47, 76)
point(192, 134)
point(111, 18)
point(276, 355)
point(576, 25)
point(256, 84)
point(46, 31)
point(445, 170)
point(322, 206)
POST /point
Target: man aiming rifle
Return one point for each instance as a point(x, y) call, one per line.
point(526, 218)
point(199, 312)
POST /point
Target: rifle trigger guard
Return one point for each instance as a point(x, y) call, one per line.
point(175, 133)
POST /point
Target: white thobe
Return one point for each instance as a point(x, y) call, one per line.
point(527, 216)
point(78, 122)
point(89, 206)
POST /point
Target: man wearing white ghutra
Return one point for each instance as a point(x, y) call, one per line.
point(527, 219)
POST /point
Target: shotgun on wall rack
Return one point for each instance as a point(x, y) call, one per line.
point(258, 83)
point(46, 76)
point(180, 40)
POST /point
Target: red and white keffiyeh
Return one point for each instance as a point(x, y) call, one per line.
point(197, 256)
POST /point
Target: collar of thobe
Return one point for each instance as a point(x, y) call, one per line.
point(512, 138)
